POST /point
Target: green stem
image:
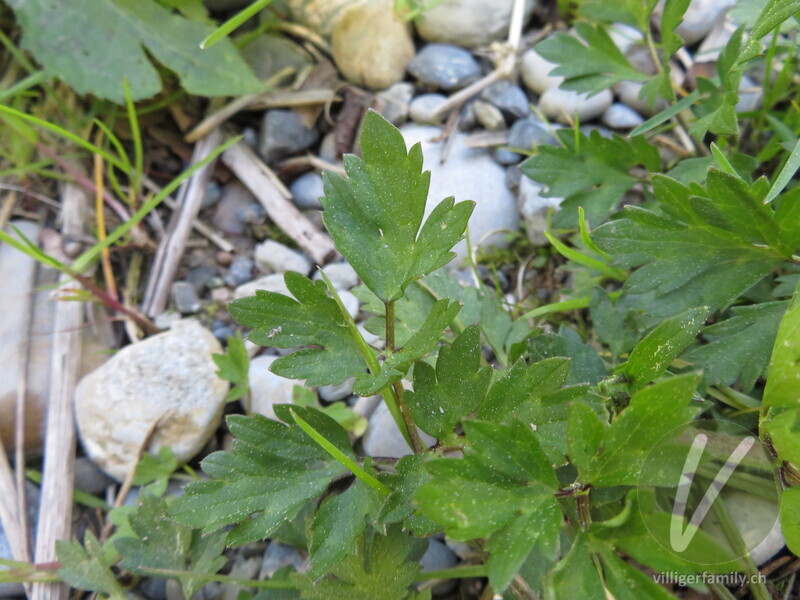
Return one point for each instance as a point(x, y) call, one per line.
point(369, 357)
point(455, 573)
point(416, 442)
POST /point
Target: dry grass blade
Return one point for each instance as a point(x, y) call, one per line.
point(55, 516)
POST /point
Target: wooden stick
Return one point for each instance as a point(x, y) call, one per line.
point(264, 184)
point(55, 512)
point(170, 250)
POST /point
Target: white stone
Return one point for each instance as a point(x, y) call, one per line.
point(534, 208)
point(423, 108)
point(383, 438)
point(563, 105)
point(468, 23)
point(266, 388)
point(274, 257)
point(268, 283)
point(628, 93)
point(395, 100)
point(306, 190)
point(467, 174)
point(168, 380)
point(620, 116)
point(700, 18)
point(624, 36)
point(351, 303)
point(535, 72)
point(342, 275)
point(333, 393)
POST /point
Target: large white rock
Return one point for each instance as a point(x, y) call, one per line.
point(383, 438)
point(266, 388)
point(274, 257)
point(467, 174)
point(468, 23)
point(169, 379)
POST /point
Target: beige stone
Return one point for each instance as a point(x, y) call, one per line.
point(168, 378)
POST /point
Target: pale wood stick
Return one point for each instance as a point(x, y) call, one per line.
point(171, 248)
point(260, 179)
point(55, 512)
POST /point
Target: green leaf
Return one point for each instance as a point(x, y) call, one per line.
point(503, 490)
point(206, 554)
point(271, 472)
point(591, 63)
point(418, 345)
point(375, 216)
point(453, 390)
point(339, 522)
point(591, 172)
point(381, 567)
point(783, 428)
point(738, 348)
point(410, 475)
point(232, 24)
point(586, 366)
point(575, 576)
point(102, 41)
point(786, 174)
point(653, 355)
point(625, 582)
point(790, 518)
point(234, 366)
point(88, 567)
point(706, 250)
point(633, 12)
point(156, 470)
point(652, 413)
point(313, 319)
point(784, 366)
point(585, 432)
point(774, 13)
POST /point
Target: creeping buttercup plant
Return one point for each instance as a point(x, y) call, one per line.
point(569, 466)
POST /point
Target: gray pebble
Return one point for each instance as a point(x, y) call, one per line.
point(333, 393)
point(423, 107)
point(444, 66)
point(89, 478)
point(279, 555)
point(222, 331)
point(239, 271)
point(437, 558)
point(504, 156)
point(395, 100)
point(306, 190)
point(528, 133)
point(252, 213)
point(211, 195)
point(274, 257)
point(269, 283)
point(509, 98)
point(534, 208)
point(383, 438)
point(283, 133)
point(226, 217)
point(620, 116)
point(185, 297)
point(200, 277)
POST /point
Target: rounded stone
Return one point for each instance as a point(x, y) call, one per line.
point(489, 116)
point(306, 190)
point(444, 66)
point(564, 105)
point(266, 388)
point(535, 72)
point(168, 381)
point(468, 23)
point(423, 108)
point(372, 45)
point(274, 257)
point(620, 116)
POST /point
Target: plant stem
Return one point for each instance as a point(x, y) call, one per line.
point(416, 443)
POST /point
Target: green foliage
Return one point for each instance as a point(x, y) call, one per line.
point(88, 566)
point(102, 41)
point(234, 366)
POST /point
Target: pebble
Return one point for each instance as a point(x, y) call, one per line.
point(506, 157)
point(239, 271)
point(749, 100)
point(624, 36)
point(534, 208)
point(700, 18)
point(535, 72)
point(274, 257)
point(620, 116)
point(628, 94)
point(560, 104)
point(422, 108)
point(327, 148)
point(444, 66)
point(283, 133)
point(222, 331)
point(252, 214)
point(306, 190)
point(342, 275)
point(394, 102)
point(227, 215)
point(509, 98)
point(333, 393)
point(89, 478)
point(201, 277)
point(489, 116)
point(383, 438)
point(528, 133)
point(437, 558)
point(266, 388)
point(468, 23)
point(279, 555)
point(467, 174)
point(269, 283)
point(211, 195)
point(170, 377)
point(372, 45)
point(185, 298)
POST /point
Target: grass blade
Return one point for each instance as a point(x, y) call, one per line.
point(786, 174)
point(233, 23)
point(340, 456)
point(666, 114)
point(722, 161)
point(586, 261)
